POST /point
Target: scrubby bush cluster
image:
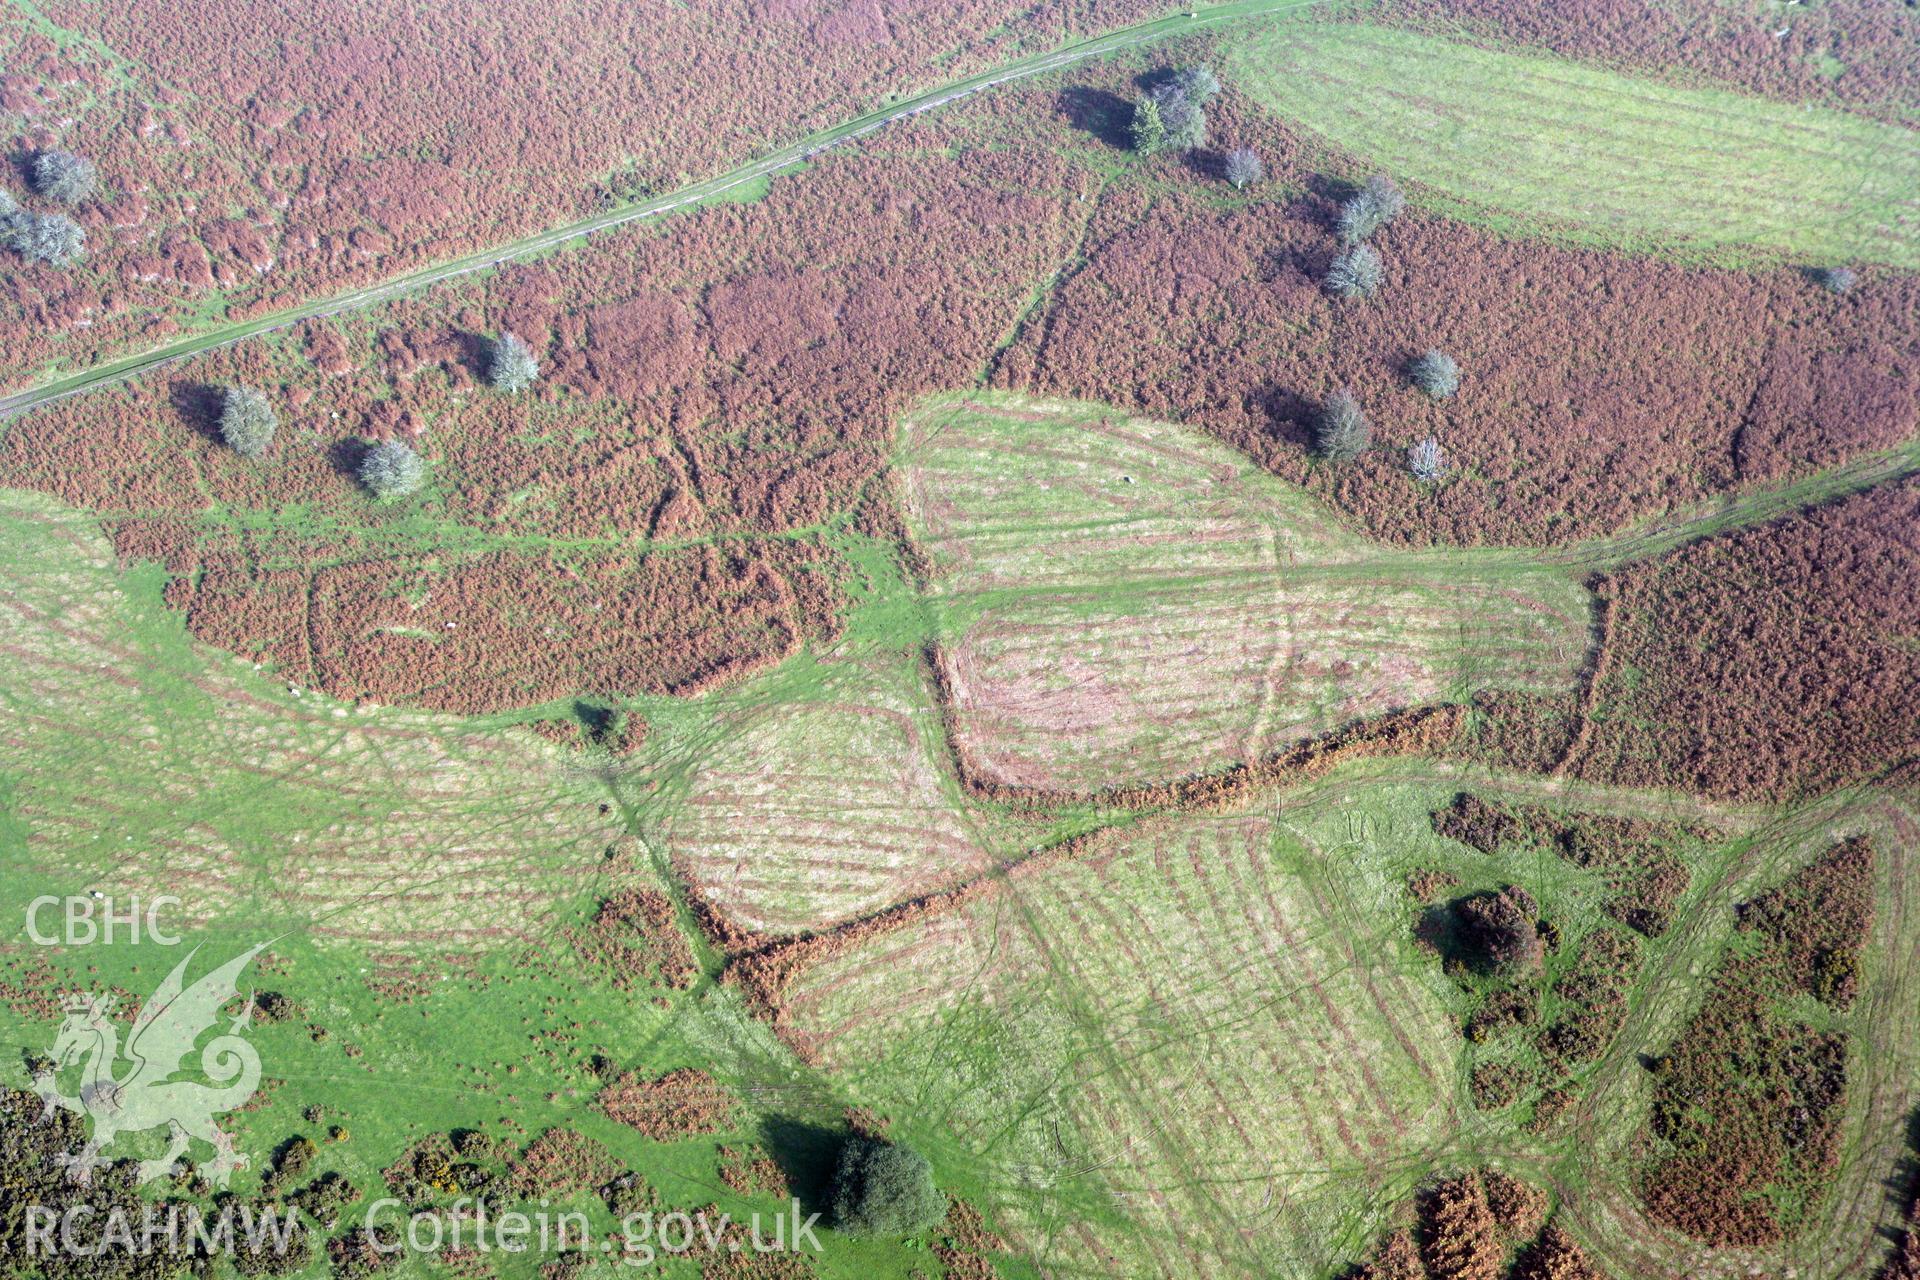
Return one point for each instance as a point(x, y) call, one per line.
point(1478, 1225)
point(884, 1189)
point(1435, 373)
point(1373, 206)
point(1496, 944)
point(1838, 279)
point(247, 421)
point(1342, 432)
point(1427, 461)
point(32, 1177)
point(1244, 167)
point(1355, 272)
point(1639, 857)
point(1171, 116)
point(52, 238)
point(1499, 932)
point(512, 366)
point(63, 176)
point(391, 469)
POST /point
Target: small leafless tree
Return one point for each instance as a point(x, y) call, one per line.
point(1341, 433)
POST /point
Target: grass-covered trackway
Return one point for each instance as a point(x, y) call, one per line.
point(755, 171)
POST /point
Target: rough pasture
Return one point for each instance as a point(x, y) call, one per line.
point(251, 158)
point(1694, 169)
point(1186, 1027)
point(1865, 57)
point(797, 812)
point(1129, 602)
point(651, 516)
point(135, 763)
point(1768, 663)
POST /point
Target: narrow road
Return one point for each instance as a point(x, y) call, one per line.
point(786, 157)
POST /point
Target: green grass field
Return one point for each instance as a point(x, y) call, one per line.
point(417, 874)
point(1205, 1045)
point(1527, 143)
point(1129, 601)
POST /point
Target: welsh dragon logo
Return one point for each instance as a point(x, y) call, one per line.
point(128, 1089)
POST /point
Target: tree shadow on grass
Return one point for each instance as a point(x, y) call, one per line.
point(475, 354)
point(1206, 163)
point(1107, 116)
point(1290, 413)
point(345, 456)
point(807, 1153)
point(199, 405)
point(1903, 1184)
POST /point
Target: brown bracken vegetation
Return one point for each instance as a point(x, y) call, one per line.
point(697, 425)
point(1495, 945)
point(1767, 664)
point(256, 156)
point(680, 1104)
point(1478, 1225)
point(635, 939)
point(1748, 1100)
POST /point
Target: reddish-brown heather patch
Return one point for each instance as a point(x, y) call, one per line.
point(704, 405)
point(403, 978)
point(679, 1104)
point(1466, 1228)
point(1396, 1258)
point(1519, 1208)
point(1459, 1239)
point(560, 1162)
point(1635, 855)
point(1904, 1264)
point(745, 1264)
point(965, 1242)
point(1497, 1085)
point(32, 988)
point(1427, 884)
point(751, 1171)
point(1767, 663)
point(1526, 731)
point(561, 733)
point(275, 153)
point(636, 939)
point(1555, 1256)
